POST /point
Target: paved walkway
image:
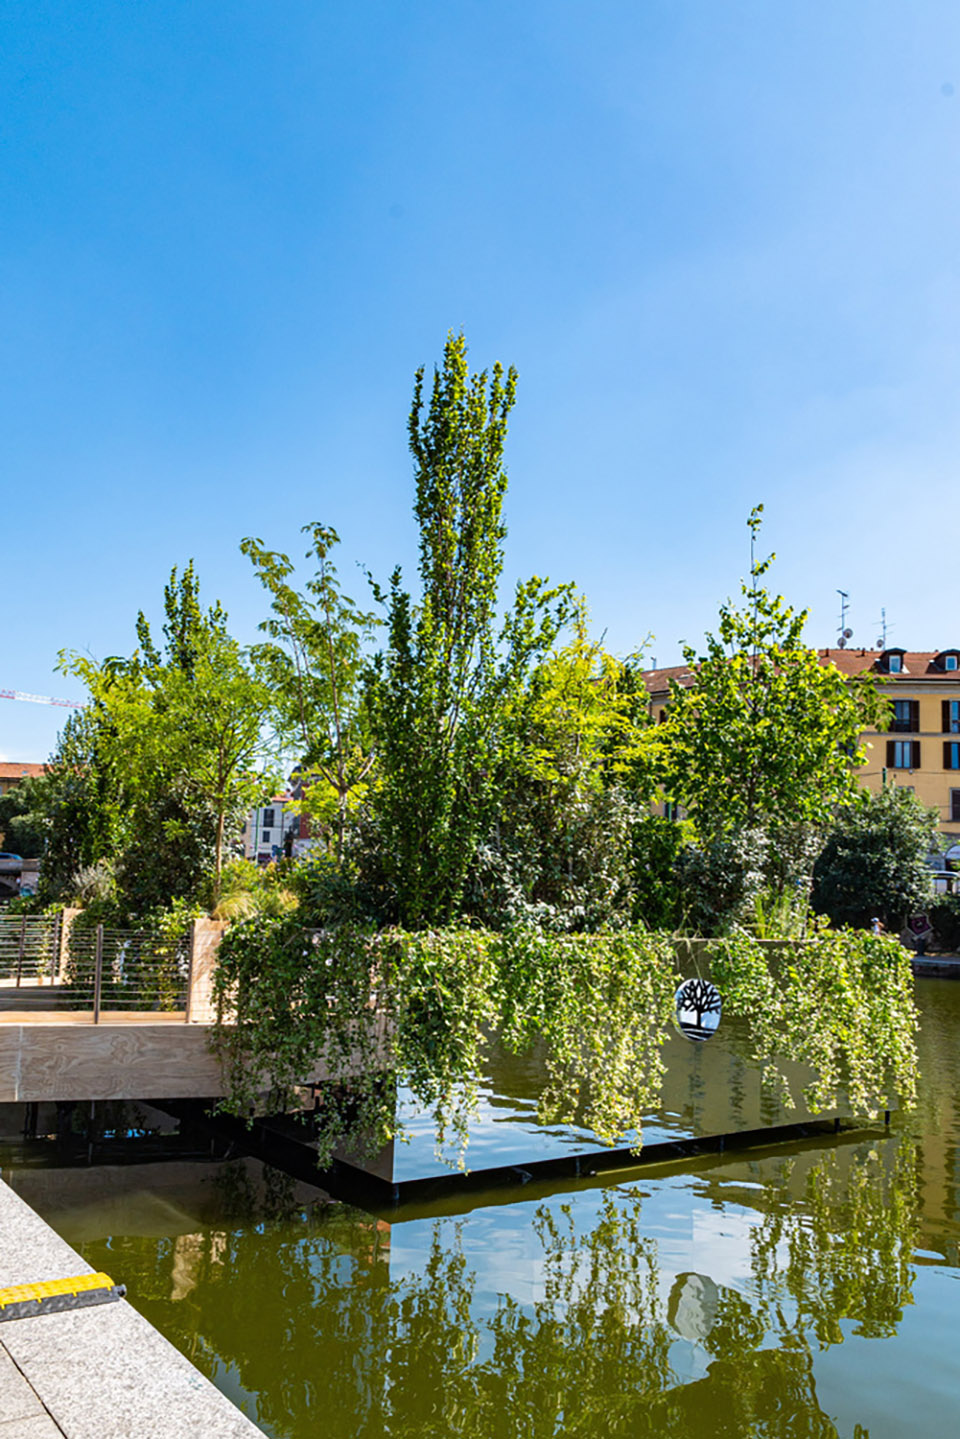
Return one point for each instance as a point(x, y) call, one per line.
point(22, 1412)
point(97, 1373)
point(940, 966)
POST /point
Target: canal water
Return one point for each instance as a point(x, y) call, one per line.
point(811, 1291)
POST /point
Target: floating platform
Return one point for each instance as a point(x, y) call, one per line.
point(275, 1141)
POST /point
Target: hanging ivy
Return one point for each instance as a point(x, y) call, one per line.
point(377, 1009)
point(841, 1003)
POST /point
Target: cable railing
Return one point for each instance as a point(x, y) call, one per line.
point(49, 965)
point(29, 949)
point(126, 971)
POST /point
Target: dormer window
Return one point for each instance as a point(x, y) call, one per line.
point(949, 660)
point(892, 661)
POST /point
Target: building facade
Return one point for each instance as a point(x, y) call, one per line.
point(921, 749)
point(275, 831)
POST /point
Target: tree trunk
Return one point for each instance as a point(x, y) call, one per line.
point(218, 861)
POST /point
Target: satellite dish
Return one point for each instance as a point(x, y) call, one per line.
point(842, 641)
point(848, 634)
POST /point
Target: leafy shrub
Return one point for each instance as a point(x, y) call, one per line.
point(656, 851)
point(944, 915)
point(719, 882)
point(874, 863)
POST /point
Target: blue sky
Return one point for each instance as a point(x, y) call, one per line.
point(719, 242)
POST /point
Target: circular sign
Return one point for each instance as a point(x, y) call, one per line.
point(698, 1006)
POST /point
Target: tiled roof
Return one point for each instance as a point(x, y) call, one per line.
point(21, 770)
point(658, 681)
point(916, 663)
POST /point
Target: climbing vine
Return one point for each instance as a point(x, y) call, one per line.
point(840, 1003)
point(377, 1009)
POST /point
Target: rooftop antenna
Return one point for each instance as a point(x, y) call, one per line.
point(845, 632)
point(882, 636)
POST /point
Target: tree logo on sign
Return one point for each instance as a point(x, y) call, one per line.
point(698, 1007)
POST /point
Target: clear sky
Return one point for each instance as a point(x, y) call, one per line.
point(719, 241)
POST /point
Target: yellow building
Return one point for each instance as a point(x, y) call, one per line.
point(921, 749)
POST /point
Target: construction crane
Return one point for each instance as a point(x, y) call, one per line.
point(40, 699)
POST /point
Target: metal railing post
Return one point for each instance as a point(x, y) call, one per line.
point(23, 945)
point(55, 948)
point(98, 975)
point(189, 996)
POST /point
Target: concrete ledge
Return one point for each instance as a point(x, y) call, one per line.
point(102, 1373)
point(940, 966)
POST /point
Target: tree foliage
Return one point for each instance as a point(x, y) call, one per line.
point(765, 734)
point(575, 777)
point(447, 679)
point(874, 862)
point(312, 664)
point(22, 817)
point(157, 774)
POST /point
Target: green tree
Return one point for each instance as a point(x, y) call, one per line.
point(312, 665)
point(173, 750)
point(874, 862)
point(766, 735)
point(210, 734)
point(442, 689)
point(23, 819)
point(574, 780)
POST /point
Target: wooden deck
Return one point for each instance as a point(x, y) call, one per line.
point(85, 1016)
point(60, 1057)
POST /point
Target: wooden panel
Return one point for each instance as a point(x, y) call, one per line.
point(108, 1061)
point(50, 1061)
point(204, 942)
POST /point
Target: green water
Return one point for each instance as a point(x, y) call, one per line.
point(813, 1292)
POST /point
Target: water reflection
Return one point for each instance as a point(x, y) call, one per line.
point(333, 1322)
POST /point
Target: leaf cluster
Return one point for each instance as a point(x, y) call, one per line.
point(419, 1009)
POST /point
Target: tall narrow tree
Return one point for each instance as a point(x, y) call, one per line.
point(443, 684)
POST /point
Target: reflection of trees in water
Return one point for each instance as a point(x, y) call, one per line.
point(315, 1327)
point(846, 1254)
point(242, 1201)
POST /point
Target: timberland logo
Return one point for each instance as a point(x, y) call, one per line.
point(698, 1009)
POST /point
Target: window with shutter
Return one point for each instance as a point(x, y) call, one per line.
point(903, 754)
point(951, 716)
point(906, 717)
point(951, 754)
point(955, 804)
